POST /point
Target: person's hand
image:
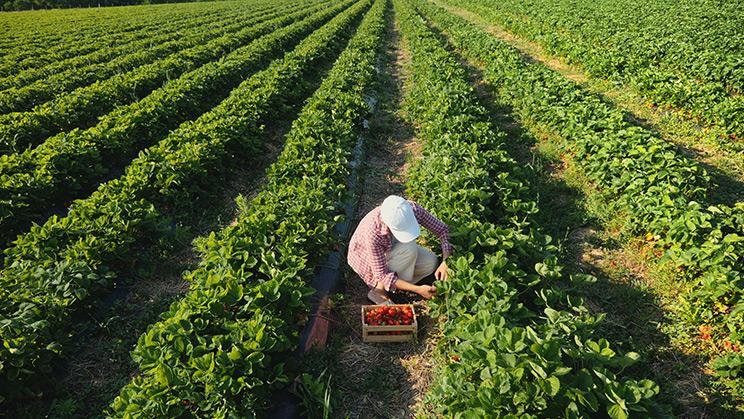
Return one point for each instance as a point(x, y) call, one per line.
point(427, 291)
point(441, 273)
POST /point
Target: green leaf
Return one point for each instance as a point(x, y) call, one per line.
point(55, 347)
point(552, 314)
point(542, 269)
point(234, 354)
point(560, 371)
point(553, 384)
point(164, 375)
point(617, 412)
point(538, 370)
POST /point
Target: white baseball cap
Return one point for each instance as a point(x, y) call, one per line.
point(397, 214)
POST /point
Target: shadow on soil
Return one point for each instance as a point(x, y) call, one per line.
point(371, 380)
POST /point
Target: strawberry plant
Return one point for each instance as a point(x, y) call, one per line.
point(56, 267)
point(35, 46)
point(223, 349)
point(21, 96)
point(659, 190)
point(676, 54)
point(82, 107)
point(514, 342)
point(68, 163)
point(165, 34)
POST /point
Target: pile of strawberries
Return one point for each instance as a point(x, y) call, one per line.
point(389, 316)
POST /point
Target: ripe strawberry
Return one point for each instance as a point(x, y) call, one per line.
point(705, 332)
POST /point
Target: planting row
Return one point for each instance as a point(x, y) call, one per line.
point(69, 163)
point(513, 341)
point(686, 55)
point(659, 191)
point(82, 107)
point(59, 267)
point(53, 39)
point(16, 99)
point(223, 349)
point(701, 39)
point(130, 44)
point(29, 56)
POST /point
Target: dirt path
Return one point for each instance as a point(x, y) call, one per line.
point(380, 380)
point(704, 144)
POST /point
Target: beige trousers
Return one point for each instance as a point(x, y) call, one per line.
point(410, 261)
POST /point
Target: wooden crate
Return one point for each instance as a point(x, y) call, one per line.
point(369, 331)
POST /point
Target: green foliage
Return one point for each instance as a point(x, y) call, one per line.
point(315, 393)
point(33, 47)
point(53, 270)
point(22, 92)
point(223, 350)
point(679, 54)
point(640, 175)
point(71, 162)
point(129, 54)
point(11, 5)
point(514, 343)
point(81, 107)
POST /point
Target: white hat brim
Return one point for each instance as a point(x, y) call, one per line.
point(407, 235)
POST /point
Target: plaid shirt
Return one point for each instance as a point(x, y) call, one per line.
point(373, 239)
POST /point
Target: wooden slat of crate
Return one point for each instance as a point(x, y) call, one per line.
point(408, 337)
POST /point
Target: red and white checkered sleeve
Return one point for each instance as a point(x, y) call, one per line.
point(435, 225)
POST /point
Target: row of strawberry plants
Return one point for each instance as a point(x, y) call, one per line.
point(69, 163)
point(51, 26)
point(659, 192)
point(223, 349)
point(671, 61)
point(22, 48)
point(82, 107)
point(86, 35)
point(29, 56)
point(132, 43)
point(513, 341)
point(60, 267)
point(24, 98)
point(702, 40)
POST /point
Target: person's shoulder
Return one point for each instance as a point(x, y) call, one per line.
point(371, 218)
point(416, 206)
point(374, 212)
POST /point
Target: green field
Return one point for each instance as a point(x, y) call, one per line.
point(171, 179)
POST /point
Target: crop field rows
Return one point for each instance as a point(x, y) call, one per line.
point(171, 179)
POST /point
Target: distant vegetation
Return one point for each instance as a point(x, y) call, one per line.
point(11, 5)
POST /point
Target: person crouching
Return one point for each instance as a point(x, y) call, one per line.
point(384, 253)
